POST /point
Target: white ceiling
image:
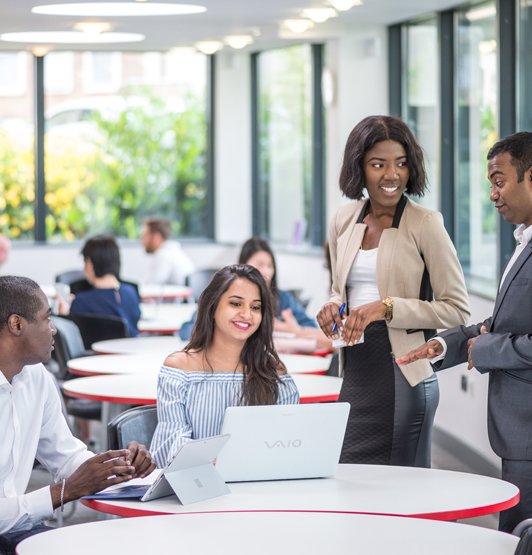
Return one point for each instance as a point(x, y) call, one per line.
point(223, 17)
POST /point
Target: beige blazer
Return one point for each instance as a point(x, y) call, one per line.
point(418, 239)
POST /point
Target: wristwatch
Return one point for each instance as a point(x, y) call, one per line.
point(388, 301)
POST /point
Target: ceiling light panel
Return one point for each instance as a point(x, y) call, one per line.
point(70, 37)
point(238, 41)
point(209, 47)
point(298, 25)
point(118, 9)
point(344, 5)
point(319, 15)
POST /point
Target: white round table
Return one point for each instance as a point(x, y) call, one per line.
point(164, 317)
point(267, 533)
point(141, 389)
point(163, 292)
point(163, 345)
point(356, 488)
point(151, 363)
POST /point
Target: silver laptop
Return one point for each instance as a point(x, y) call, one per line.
point(282, 442)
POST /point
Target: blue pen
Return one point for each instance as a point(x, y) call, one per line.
point(342, 308)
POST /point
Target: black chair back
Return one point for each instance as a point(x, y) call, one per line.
point(136, 424)
point(198, 281)
point(79, 286)
point(334, 366)
point(524, 547)
point(70, 277)
point(99, 327)
point(68, 344)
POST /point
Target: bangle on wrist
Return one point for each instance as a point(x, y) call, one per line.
point(388, 302)
point(62, 494)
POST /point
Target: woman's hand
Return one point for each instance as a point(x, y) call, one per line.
point(327, 317)
point(359, 318)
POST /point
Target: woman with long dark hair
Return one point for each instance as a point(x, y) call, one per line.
point(229, 361)
point(395, 270)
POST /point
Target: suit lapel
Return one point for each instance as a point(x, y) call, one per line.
point(522, 258)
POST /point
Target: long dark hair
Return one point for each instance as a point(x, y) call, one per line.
point(253, 246)
point(258, 357)
point(364, 137)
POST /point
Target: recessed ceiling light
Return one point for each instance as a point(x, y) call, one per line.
point(319, 15)
point(209, 47)
point(481, 13)
point(298, 25)
point(344, 5)
point(93, 27)
point(238, 41)
point(118, 9)
point(70, 37)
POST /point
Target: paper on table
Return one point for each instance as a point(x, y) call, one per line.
point(338, 343)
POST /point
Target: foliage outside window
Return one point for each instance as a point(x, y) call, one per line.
point(125, 138)
point(285, 134)
point(476, 132)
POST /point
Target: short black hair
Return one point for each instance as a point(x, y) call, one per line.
point(519, 147)
point(364, 137)
point(103, 252)
point(18, 295)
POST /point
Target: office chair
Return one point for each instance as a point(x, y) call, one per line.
point(198, 281)
point(334, 366)
point(75, 279)
point(99, 327)
point(524, 529)
point(136, 424)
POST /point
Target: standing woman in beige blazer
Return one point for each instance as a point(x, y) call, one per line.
point(395, 267)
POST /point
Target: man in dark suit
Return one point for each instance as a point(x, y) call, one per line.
point(502, 344)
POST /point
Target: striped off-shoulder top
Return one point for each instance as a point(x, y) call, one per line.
point(191, 405)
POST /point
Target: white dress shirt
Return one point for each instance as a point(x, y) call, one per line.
point(523, 235)
point(171, 265)
point(32, 426)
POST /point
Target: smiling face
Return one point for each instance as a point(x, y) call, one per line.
point(39, 335)
point(512, 199)
point(239, 311)
point(264, 264)
point(386, 173)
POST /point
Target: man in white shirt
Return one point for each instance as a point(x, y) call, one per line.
point(33, 426)
point(502, 344)
point(171, 265)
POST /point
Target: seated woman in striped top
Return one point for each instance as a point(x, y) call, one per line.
point(229, 361)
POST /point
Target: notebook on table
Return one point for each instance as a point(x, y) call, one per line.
point(280, 442)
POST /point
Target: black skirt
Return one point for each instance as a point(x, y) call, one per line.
point(390, 422)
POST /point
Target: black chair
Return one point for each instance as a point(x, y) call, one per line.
point(75, 279)
point(99, 327)
point(68, 345)
point(198, 281)
point(136, 424)
point(524, 530)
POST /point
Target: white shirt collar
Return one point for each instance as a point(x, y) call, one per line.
point(523, 234)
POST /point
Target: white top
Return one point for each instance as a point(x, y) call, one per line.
point(279, 533)
point(523, 235)
point(191, 405)
point(170, 265)
point(362, 279)
point(32, 425)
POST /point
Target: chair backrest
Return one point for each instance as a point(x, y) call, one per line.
point(68, 344)
point(334, 366)
point(134, 285)
point(70, 277)
point(80, 285)
point(524, 547)
point(136, 424)
point(99, 327)
point(198, 281)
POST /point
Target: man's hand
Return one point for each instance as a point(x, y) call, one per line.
point(99, 472)
point(141, 460)
point(359, 318)
point(327, 317)
point(470, 343)
point(288, 324)
point(429, 349)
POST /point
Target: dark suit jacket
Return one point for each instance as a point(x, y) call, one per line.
point(506, 353)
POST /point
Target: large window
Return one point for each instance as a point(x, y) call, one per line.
point(285, 141)
point(17, 190)
point(125, 138)
point(476, 132)
point(422, 100)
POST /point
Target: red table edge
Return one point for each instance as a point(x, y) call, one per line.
point(107, 399)
point(89, 373)
point(443, 515)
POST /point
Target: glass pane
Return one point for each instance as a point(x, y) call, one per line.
point(422, 101)
point(476, 128)
point(285, 88)
point(125, 139)
point(525, 66)
point(17, 177)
